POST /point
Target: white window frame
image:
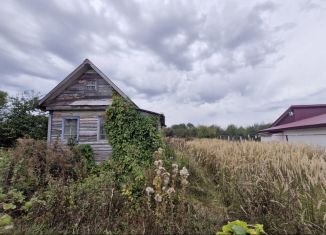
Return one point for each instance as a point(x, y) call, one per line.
point(90, 87)
point(63, 127)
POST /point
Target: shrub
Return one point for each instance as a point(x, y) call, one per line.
point(87, 153)
point(126, 127)
point(33, 164)
point(169, 207)
point(6, 223)
point(13, 204)
point(134, 137)
point(83, 207)
point(5, 162)
point(166, 199)
point(20, 117)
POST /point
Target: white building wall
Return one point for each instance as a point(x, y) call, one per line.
point(313, 136)
point(273, 137)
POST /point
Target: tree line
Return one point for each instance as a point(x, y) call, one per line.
point(20, 117)
point(213, 131)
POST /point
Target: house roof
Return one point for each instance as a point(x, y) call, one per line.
point(82, 68)
point(299, 117)
point(300, 112)
point(161, 116)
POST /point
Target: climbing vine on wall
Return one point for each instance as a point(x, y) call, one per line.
point(133, 136)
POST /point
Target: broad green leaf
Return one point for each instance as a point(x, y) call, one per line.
point(8, 206)
point(260, 229)
point(240, 223)
point(239, 230)
point(5, 220)
point(2, 197)
point(27, 206)
point(252, 231)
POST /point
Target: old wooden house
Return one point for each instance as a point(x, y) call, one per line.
point(77, 107)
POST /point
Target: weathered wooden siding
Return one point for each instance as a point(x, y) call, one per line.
point(78, 91)
point(88, 129)
point(73, 97)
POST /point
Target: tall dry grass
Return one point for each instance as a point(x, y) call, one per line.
point(280, 185)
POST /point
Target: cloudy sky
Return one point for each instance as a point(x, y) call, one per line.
point(205, 62)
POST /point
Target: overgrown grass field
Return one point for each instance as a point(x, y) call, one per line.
point(280, 185)
point(190, 187)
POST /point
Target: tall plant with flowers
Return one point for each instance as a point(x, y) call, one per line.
point(166, 197)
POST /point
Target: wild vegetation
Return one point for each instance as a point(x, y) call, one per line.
point(57, 189)
point(156, 186)
point(20, 117)
point(280, 185)
point(213, 131)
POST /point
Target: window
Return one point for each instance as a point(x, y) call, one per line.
point(91, 86)
point(70, 129)
point(101, 129)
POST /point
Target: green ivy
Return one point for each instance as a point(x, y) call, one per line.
point(88, 154)
point(134, 137)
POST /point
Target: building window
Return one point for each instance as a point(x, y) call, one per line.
point(91, 86)
point(102, 135)
point(70, 129)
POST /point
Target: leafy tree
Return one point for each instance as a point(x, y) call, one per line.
point(231, 130)
point(241, 131)
point(180, 130)
point(20, 117)
point(252, 130)
point(192, 131)
point(168, 132)
point(212, 131)
point(3, 99)
point(203, 132)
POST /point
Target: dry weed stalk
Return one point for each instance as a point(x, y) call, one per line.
point(166, 196)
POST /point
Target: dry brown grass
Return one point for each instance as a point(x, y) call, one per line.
point(280, 185)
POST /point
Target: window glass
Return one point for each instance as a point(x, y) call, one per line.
point(70, 129)
point(91, 86)
point(102, 131)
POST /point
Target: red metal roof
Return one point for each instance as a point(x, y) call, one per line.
point(302, 116)
point(300, 112)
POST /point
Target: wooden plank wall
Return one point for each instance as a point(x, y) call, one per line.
point(77, 90)
point(88, 124)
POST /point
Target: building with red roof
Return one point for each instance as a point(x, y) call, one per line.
point(299, 124)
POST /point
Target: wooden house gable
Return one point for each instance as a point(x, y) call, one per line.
point(85, 88)
point(90, 89)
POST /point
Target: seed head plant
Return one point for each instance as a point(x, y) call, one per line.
point(166, 196)
point(280, 185)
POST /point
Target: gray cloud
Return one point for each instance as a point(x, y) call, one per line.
point(228, 60)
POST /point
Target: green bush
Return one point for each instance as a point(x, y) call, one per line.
point(20, 117)
point(95, 205)
point(128, 128)
point(5, 162)
point(87, 153)
point(134, 138)
point(33, 164)
point(6, 223)
point(87, 206)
